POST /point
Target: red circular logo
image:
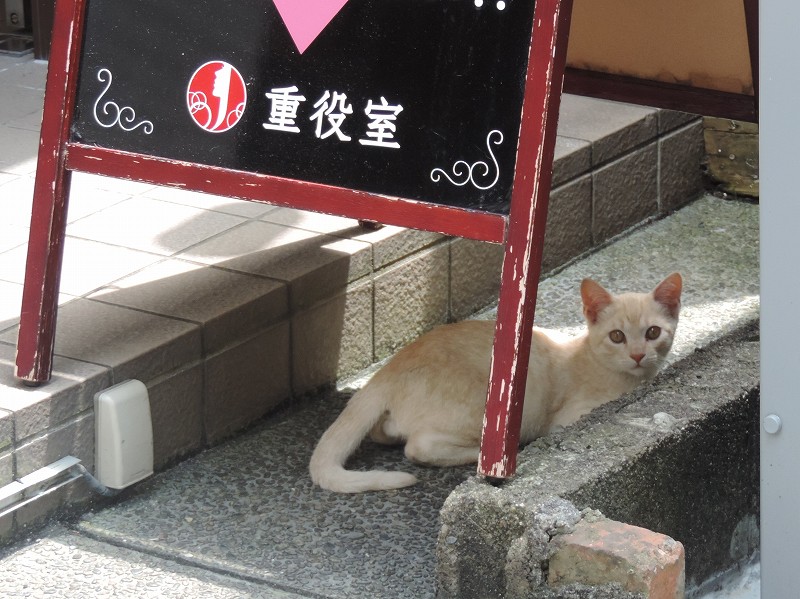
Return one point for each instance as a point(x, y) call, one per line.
point(216, 96)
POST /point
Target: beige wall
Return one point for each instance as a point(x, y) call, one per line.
point(702, 43)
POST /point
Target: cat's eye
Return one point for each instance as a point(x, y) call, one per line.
point(617, 336)
point(653, 333)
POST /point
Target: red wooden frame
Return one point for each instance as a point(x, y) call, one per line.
point(522, 261)
point(50, 195)
point(287, 192)
point(522, 231)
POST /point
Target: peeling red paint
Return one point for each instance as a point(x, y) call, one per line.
point(279, 191)
point(521, 269)
point(51, 190)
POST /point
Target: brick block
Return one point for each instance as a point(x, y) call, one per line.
point(6, 430)
point(91, 331)
point(316, 222)
point(604, 551)
point(176, 228)
point(314, 266)
point(75, 438)
point(572, 158)
point(87, 264)
point(245, 382)
point(625, 193)
point(669, 120)
point(34, 410)
point(474, 276)
point(6, 529)
point(228, 305)
point(391, 244)
point(176, 407)
point(569, 223)
point(332, 339)
point(613, 128)
point(6, 468)
point(411, 298)
point(10, 293)
point(681, 155)
point(204, 201)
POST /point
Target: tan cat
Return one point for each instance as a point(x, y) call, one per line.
point(431, 395)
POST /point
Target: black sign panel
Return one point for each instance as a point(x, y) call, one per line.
point(419, 99)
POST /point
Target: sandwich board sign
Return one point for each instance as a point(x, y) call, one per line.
point(430, 114)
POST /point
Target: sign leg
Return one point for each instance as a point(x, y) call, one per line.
point(751, 22)
point(51, 190)
point(523, 253)
point(511, 351)
point(42, 276)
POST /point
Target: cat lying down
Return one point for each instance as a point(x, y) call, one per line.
point(431, 395)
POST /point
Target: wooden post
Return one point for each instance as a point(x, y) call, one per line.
point(751, 23)
point(51, 190)
point(523, 255)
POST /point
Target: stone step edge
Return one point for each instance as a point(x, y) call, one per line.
point(490, 534)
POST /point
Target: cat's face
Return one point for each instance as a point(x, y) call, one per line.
point(632, 333)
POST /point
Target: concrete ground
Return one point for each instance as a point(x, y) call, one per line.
point(243, 519)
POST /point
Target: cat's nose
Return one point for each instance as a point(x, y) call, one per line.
point(637, 358)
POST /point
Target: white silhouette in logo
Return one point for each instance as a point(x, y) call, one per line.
point(222, 86)
point(217, 116)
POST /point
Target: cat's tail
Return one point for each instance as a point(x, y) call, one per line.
point(342, 438)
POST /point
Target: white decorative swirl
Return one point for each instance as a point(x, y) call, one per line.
point(113, 114)
point(463, 172)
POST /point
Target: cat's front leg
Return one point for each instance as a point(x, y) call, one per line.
point(432, 448)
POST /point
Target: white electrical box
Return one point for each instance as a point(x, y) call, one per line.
point(123, 435)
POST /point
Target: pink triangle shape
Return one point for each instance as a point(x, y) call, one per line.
point(306, 19)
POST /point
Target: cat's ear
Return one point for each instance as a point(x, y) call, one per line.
point(668, 293)
point(595, 299)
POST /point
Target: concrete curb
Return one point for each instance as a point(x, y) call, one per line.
point(676, 457)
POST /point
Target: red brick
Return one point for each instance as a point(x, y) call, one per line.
point(604, 551)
